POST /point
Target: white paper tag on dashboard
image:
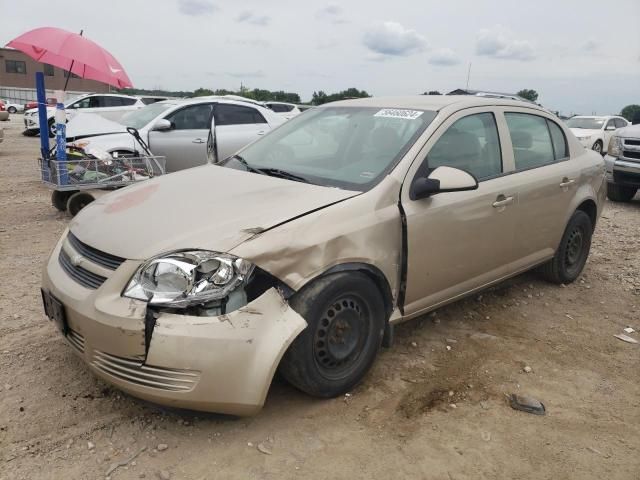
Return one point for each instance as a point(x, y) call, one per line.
point(399, 113)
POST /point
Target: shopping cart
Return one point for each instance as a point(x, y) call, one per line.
point(87, 174)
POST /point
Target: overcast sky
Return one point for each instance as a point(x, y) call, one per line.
point(571, 52)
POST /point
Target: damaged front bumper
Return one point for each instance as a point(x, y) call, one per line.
point(222, 364)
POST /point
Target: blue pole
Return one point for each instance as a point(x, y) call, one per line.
point(42, 116)
point(61, 144)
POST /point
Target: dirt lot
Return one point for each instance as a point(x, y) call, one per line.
point(424, 411)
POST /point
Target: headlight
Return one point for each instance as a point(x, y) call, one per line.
point(585, 137)
point(182, 279)
point(615, 147)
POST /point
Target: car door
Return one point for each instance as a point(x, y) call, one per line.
point(237, 126)
point(546, 179)
point(459, 241)
point(609, 130)
point(185, 144)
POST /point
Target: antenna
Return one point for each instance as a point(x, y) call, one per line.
point(468, 75)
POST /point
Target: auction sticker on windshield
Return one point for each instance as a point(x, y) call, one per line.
point(399, 113)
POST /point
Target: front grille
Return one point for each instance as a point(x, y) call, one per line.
point(632, 142)
point(76, 340)
point(103, 259)
point(133, 370)
point(83, 277)
point(630, 154)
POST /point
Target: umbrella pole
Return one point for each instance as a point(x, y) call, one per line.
point(66, 82)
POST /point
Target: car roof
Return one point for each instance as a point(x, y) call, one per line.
point(433, 102)
point(220, 99)
point(597, 116)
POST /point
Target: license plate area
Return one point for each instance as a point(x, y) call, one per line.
point(54, 309)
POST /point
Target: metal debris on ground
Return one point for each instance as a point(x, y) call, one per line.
point(263, 448)
point(628, 330)
point(626, 338)
point(526, 404)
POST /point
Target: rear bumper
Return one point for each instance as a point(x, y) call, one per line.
point(222, 364)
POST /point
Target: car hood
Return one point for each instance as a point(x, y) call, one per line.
point(632, 131)
point(209, 207)
point(584, 132)
point(89, 124)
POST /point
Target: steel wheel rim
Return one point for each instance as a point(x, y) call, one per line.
point(340, 336)
point(575, 244)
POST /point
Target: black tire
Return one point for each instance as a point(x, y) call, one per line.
point(12, 110)
point(597, 146)
point(51, 127)
point(620, 193)
point(30, 133)
point(346, 318)
point(572, 254)
point(59, 199)
point(78, 201)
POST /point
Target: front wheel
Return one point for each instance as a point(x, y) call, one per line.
point(52, 128)
point(597, 146)
point(620, 193)
point(345, 318)
point(571, 256)
point(12, 110)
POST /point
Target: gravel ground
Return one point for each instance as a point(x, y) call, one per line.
point(424, 411)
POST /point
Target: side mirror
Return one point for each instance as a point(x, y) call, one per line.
point(610, 128)
point(162, 125)
point(441, 180)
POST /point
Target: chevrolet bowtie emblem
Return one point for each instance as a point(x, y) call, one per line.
point(76, 260)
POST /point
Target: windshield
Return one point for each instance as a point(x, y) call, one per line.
point(588, 123)
point(139, 118)
point(344, 147)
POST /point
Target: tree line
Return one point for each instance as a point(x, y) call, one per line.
point(258, 94)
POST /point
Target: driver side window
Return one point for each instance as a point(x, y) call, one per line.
point(470, 144)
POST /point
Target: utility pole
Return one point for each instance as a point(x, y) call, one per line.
point(468, 75)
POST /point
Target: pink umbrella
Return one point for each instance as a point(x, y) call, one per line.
point(72, 52)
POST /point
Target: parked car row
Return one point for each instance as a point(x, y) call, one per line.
point(110, 106)
point(300, 251)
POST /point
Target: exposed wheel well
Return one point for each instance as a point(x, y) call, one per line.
point(589, 207)
point(374, 274)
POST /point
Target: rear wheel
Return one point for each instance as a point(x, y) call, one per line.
point(345, 318)
point(59, 199)
point(619, 193)
point(78, 201)
point(571, 256)
point(12, 109)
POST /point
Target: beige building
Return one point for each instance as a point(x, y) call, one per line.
point(17, 70)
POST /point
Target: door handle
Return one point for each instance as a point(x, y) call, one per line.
point(502, 201)
point(197, 140)
point(261, 132)
point(566, 182)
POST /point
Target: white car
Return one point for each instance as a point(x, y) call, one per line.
point(178, 129)
point(287, 110)
point(107, 105)
point(595, 132)
point(12, 107)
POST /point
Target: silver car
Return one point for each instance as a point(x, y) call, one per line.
point(178, 129)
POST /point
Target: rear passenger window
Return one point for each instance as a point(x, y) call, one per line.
point(228, 114)
point(559, 141)
point(620, 123)
point(471, 144)
point(532, 146)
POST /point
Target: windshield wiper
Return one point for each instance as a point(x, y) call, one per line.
point(245, 164)
point(276, 172)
